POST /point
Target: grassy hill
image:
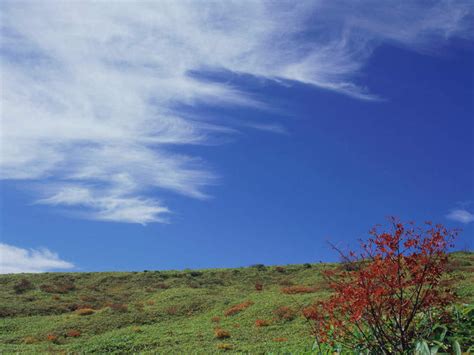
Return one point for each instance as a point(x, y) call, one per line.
point(172, 311)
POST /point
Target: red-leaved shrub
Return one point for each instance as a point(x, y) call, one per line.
point(238, 308)
point(396, 284)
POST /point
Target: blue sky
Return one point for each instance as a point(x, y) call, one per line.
point(188, 134)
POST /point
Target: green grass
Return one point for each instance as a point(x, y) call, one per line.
point(169, 311)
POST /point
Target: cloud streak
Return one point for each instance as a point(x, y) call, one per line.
point(91, 93)
point(461, 215)
point(16, 260)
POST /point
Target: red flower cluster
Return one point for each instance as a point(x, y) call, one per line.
point(394, 279)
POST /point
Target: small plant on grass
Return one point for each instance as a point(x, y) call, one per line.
point(172, 310)
point(225, 346)
point(220, 333)
point(238, 308)
point(64, 287)
point(286, 282)
point(118, 307)
point(215, 319)
point(293, 290)
point(285, 313)
point(87, 298)
point(258, 286)
point(73, 333)
point(261, 323)
point(280, 269)
point(85, 311)
point(389, 301)
point(30, 340)
point(53, 338)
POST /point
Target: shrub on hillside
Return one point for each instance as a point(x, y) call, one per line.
point(88, 298)
point(225, 346)
point(85, 311)
point(58, 287)
point(118, 307)
point(73, 333)
point(30, 340)
point(238, 308)
point(52, 338)
point(280, 269)
point(172, 310)
point(258, 286)
point(195, 273)
point(220, 333)
point(390, 300)
point(22, 286)
point(285, 313)
point(292, 290)
point(286, 282)
point(261, 323)
point(139, 306)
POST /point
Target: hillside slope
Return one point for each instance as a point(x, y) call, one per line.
point(171, 311)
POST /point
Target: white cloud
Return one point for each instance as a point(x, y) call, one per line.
point(92, 90)
point(16, 260)
point(461, 215)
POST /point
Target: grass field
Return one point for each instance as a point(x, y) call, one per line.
point(172, 311)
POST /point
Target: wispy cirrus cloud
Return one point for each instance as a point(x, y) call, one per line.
point(92, 90)
point(461, 215)
point(17, 260)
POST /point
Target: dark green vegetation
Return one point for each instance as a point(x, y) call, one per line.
point(169, 311)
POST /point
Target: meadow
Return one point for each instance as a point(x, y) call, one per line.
point(254, 309)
